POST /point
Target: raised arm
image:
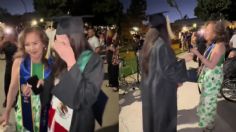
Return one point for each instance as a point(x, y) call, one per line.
point(216, 54)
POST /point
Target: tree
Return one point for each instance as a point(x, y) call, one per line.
point(213, 9)
point(108, 11)
point(103, 11)
point(231, 11)
point(4, 12)
point(136, 11)
point(80, 7)
point(49, 8)
point(174, 4)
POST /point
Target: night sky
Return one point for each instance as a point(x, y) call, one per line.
point(186, 7)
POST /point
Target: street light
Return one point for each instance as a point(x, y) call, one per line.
point(8, 30)
point(41, 20)
point(184, 29)
point(136, 29)
point(34, 23)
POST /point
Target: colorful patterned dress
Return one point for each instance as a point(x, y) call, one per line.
point(210, 81)
point(29, 114)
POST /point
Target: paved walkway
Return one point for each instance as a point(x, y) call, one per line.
point(130, 118)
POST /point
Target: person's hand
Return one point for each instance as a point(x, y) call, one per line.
point(64, 50)
point(4, 119)
point(194, 51)
point(40, 82)
point(188, 57)
point(26, 89)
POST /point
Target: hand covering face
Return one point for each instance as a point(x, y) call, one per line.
point(64, 50)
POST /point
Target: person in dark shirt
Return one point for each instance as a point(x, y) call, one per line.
point(8, 47)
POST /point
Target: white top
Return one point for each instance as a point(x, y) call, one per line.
point(233, 41)
point(94, 42)
point(51, 33)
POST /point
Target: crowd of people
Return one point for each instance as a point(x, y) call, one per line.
point(54, 92)
point(53, 78)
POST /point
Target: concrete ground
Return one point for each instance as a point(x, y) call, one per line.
point(130, 118)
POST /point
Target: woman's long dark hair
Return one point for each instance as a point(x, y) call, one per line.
point(151, 36)
point(79, 44)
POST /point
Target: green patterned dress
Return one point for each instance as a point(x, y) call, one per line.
point(210, 81)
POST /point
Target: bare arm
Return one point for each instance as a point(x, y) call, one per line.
point(13, 88)
point(97, 50)
point(216, 54)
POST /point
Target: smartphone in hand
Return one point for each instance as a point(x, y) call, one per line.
point(33, 81)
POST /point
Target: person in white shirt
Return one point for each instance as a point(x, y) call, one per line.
point(232, 41)
point(93, 40)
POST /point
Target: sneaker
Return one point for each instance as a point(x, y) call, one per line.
point(121, 91)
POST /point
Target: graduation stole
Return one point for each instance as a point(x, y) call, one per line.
point(25, 104)
point(83, 59)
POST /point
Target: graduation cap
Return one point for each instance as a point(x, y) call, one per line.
point(69, 25)
point(156, 19)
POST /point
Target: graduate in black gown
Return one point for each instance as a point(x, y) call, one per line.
point(80, 74)
point(161, 75)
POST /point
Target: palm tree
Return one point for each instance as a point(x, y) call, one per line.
point(23, 2)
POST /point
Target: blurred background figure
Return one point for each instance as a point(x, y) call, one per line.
point(93, 40)
point(8, 46)
point(232, 42)
point(113, 62)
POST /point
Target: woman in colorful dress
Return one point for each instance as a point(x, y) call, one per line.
point(29, 61)
point(211, 76)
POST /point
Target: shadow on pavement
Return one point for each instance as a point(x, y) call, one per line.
point(112, 128)
point(190, 130)
point(130, 97)
point(187, 116)
point(227, 111)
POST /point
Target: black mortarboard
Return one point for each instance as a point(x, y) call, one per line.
point(69, 25)
point(156, 19)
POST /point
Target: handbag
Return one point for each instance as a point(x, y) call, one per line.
point(192, 75)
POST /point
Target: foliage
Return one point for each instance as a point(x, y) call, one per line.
point(212, 9)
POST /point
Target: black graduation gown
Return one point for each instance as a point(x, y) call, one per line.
point(159, 89)
point(79, 91)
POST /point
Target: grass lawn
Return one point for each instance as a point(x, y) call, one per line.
point(129, 63)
